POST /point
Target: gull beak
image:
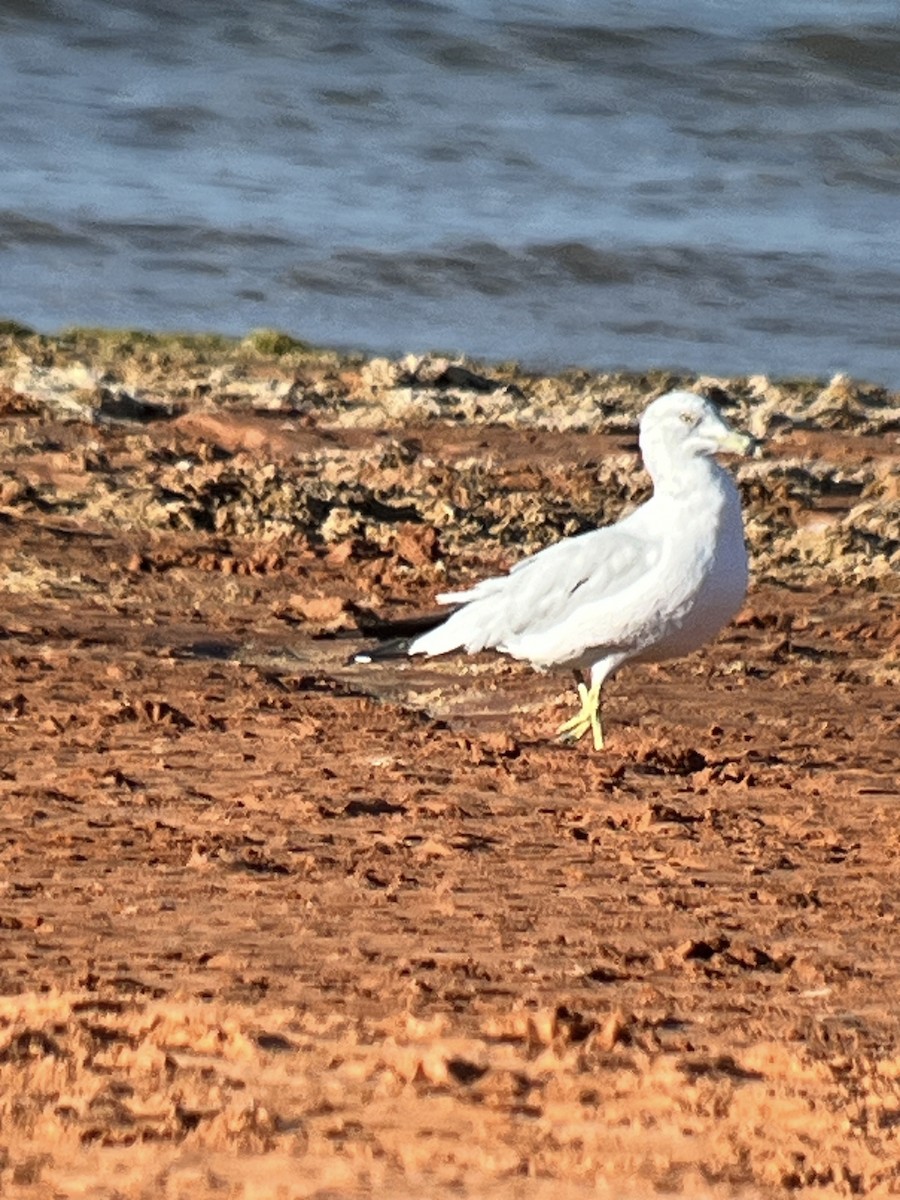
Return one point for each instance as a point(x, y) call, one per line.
point(733, 442)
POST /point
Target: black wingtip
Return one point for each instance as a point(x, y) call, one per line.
point(395, 648)
point(400, 634)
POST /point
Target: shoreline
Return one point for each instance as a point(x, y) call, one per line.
point(108, 342)
point(818, 505)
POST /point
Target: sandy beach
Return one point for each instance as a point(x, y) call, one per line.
point(274, 925)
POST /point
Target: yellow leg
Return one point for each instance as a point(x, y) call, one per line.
point(587, 717)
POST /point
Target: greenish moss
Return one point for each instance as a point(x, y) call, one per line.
point(803, 386)
point(14, 329)
point(127, 341)
point(274, 342)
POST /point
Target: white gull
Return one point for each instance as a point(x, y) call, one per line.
point(656, 585)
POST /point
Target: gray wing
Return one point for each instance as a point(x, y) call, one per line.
point(544, 591)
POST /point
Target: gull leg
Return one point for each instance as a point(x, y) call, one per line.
point(596, 727)
point(587, 717)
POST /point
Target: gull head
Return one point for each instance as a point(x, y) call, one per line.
point(683, 425)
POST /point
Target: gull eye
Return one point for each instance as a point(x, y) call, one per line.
point(688, 418)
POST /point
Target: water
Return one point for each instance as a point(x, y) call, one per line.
point(690, 184)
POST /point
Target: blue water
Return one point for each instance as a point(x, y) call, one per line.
point(612, 185)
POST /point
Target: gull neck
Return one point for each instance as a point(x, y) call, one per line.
point(679, 475)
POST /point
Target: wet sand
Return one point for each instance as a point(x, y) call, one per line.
point(274, 925)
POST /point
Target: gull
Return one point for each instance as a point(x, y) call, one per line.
point(658, 584)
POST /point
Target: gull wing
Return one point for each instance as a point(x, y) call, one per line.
point(543, 592)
